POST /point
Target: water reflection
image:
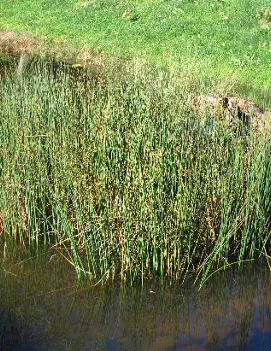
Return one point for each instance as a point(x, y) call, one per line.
point(43, 308)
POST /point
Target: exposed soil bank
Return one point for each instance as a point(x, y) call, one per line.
point(15, 44)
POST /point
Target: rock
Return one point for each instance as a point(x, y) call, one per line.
point(245, 111)
point(233, 109)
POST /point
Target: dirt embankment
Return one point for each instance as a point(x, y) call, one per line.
point(17, 43)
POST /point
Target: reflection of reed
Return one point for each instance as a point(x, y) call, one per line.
point(222, 316)
point(10, 337)
point(264, 305)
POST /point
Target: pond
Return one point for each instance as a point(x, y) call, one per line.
point(44, 308)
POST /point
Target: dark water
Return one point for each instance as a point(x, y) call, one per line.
point(43, 308)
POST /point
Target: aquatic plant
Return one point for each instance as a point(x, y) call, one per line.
point(125, 181)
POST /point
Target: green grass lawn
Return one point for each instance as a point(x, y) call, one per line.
point(221, 37)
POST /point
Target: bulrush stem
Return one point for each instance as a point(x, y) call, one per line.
point(126, 178)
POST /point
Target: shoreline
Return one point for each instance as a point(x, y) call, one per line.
point(12, 43)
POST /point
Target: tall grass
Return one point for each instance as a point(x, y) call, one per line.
point(125, 180)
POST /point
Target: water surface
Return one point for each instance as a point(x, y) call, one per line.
point(43, 308)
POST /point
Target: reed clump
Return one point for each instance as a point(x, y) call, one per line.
point(125, 180)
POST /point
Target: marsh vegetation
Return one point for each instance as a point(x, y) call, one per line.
point(135, 165)
point(122, 178)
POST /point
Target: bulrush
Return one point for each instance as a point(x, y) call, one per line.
point(125, 180)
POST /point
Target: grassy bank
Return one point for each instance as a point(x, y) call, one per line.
point(224, 38)
point(122, 178)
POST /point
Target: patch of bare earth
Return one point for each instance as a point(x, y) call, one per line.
point(14, 43)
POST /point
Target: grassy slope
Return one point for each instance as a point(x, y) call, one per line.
point(219, 35)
